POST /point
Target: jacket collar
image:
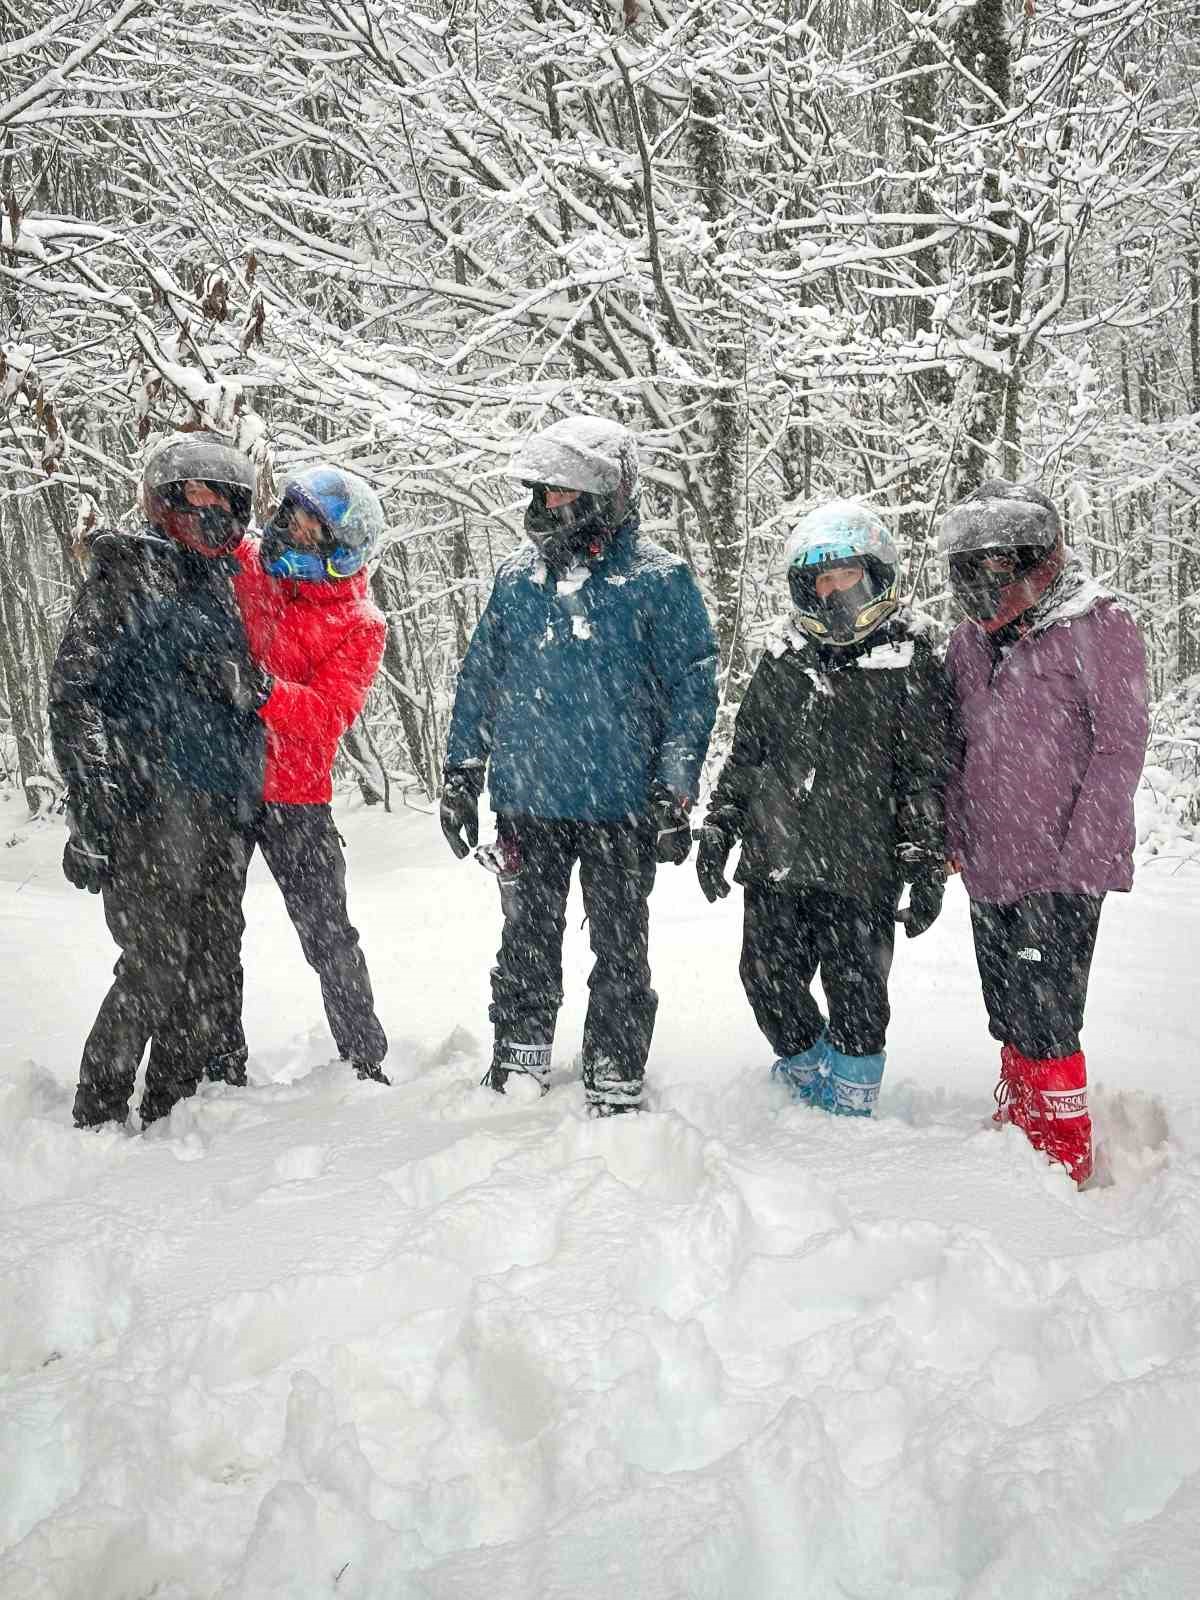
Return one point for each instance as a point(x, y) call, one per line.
point(161, 556)
point(620, 547)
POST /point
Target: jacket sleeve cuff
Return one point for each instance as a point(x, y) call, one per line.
point(470, 773)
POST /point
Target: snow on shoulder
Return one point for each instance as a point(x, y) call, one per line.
point(1079, 603)
point(785, 633)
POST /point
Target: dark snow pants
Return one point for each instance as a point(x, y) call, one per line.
point(787, 935)
point(1034, 959)
point(303, 852)
point(616, 874)
point(173, 904)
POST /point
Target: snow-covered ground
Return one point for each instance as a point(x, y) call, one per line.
point(322, 1338)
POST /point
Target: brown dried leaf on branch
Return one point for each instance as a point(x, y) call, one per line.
point(256, 320)
point(215, 300)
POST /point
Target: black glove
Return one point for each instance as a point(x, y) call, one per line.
point(673, 833)
point(85, 859)
point(85, 866)
point(715, 845)
point(924, 902)
point(241, 684)
point(459, 814)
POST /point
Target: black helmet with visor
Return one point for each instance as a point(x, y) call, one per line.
point(994, 541)
point(208, 460)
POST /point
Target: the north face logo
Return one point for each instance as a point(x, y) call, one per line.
point(1030, 953)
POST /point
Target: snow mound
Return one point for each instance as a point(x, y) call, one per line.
point(319, 1338)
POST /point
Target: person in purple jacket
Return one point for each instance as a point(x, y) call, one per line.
point(1049, 675)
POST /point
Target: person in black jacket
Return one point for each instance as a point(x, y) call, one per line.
point(161, 770)
point(834, 788)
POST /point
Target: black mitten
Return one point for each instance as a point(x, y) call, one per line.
point(715, 845)
point(459, 811)
point(924, 902)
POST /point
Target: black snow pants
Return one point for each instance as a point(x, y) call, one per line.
point(1034, 959)
point(173, 903)
point(616, 874)
point(303, 852)
point(787, 935)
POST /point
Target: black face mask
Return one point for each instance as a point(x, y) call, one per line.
point(223, 530)
point(212, 526)
point(564, 537)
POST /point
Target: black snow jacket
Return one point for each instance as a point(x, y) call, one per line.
point(838, 764)
point(127, 710)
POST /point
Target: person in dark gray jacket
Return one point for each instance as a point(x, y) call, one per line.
point(161, 776)
point(833, 787)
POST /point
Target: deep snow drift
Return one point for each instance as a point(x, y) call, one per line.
point(319, 1337)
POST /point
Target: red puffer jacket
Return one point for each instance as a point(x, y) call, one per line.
point(322, 643)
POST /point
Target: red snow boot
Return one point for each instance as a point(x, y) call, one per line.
point(1015, 1102)
point(1055, 1103)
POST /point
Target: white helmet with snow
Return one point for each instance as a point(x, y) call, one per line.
point(589, 467)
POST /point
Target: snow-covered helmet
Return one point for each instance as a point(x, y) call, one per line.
point(199, 458)
point(350, 522)
point(1004, 543)
point(595, 458)
point(841, 536)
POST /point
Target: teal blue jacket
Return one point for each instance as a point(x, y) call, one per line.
point(580, 695)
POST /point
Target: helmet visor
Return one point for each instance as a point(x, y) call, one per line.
point(980, 580)
point(212, 530)
point(842, 598)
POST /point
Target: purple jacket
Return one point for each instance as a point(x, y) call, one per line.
point(1054, 740)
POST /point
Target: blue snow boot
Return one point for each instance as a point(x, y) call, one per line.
point(803, 1073)
point(852, 1087)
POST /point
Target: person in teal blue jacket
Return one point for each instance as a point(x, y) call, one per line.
point(588, 696)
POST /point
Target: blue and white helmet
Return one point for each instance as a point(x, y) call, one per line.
point(350, 524)
point(842, 535)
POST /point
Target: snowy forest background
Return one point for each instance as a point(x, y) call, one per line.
point(803, 249)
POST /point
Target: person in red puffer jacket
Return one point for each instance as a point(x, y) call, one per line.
point(316, 640)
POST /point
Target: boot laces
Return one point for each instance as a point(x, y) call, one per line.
point(1016, 1100)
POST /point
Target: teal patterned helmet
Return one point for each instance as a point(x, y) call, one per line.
point(847, 538)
